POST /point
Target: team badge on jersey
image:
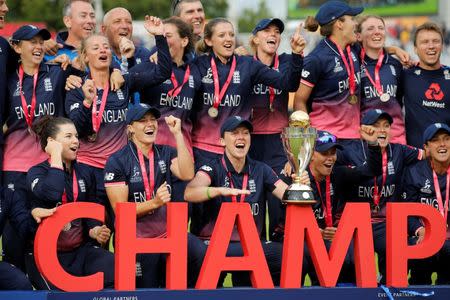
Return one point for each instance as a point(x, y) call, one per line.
point(136, 176)
point(426, 187)
point(120, 94)
point(337, 68)
point(447, 74)
point(208, 78)
point(394, 73)
point(17, 91)
point(236, 77)
point(391, 169)
point(252, 186)
point(48, 85)
point(191, 81)
point(82, 185)
point(162, 166)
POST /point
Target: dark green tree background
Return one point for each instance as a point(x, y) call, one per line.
point(50, 11)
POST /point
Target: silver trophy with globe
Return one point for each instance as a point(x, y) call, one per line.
point(298, 142)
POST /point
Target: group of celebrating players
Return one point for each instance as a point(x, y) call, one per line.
point(93, 117)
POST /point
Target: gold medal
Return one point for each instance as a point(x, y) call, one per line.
point(213, 112)
point(352, 99)
point(91, 138)
point(385, 97)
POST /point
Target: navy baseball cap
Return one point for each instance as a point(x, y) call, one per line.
point(373, 115)
point(264, 23)
point(332, 10)
point(431, 131)
point(137, 112)
point(325, 141)
point(27, 32)
point(232, 123)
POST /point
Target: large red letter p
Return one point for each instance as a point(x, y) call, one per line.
point(397, 250)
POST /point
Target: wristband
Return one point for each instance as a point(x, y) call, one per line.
point(207, 193)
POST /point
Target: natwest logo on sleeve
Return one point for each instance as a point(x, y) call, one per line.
point(434, 93)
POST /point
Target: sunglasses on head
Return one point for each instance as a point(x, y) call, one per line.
point(175, 4)
point(325, 139)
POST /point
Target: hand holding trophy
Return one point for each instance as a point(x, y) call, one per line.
point(298, 142)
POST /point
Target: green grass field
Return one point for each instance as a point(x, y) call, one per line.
point(426, 7)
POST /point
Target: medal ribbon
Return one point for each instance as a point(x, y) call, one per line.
point(74, 189)
point(276, 63)
point(377, 82)
point(348, 66)
point(148, 187)
point(443, 207)
point(244, 183)
point(29, 114)
point(219, 93)
point(326, 206)
point(177, 88)
point(97, 115)
point(376, 195)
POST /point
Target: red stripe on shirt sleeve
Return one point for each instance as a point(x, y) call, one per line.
point(307, 83)
point(115, 183)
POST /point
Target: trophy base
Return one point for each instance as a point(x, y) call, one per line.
point(298, 194)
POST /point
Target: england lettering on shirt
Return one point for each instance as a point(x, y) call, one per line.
point(177, 102)
point(254, 208)
point(114, 116)
point(434, 96)
point(371, 91)
point(139, 197)
point(430, 201)
point(367, 191)
point(261, 89)
point(42, 109)
point(48, 85)
point(344, 85)
point(228, 100)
